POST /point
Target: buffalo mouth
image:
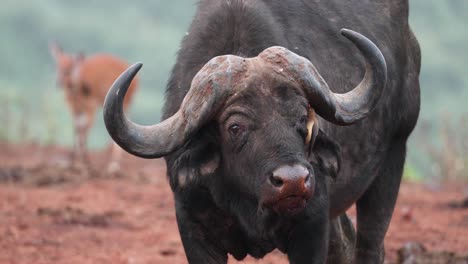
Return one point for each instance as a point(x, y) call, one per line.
point(289, 206)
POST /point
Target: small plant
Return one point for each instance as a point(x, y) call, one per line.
point(5, 118)
point(449, 153)
point(51, 128)
point(23, 125)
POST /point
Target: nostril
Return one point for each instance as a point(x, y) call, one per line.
point(307, 178)
point(276, 181)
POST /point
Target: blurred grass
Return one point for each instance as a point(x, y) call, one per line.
point(412, 174)
point(146, 31)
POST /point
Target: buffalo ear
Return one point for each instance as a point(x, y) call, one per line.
point(196, 161)
point(326, 154)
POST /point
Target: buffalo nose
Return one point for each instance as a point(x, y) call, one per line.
point(292, 180)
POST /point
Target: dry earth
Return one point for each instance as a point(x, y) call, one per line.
point(51, 213)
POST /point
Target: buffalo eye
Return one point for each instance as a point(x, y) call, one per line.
point(236, 129)
point(302, 126)
point(303, 120)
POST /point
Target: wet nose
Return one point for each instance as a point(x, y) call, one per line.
point(293, 180)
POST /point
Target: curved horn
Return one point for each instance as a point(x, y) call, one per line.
point(359, 102)
point(341, 109)
point(208, 91)
point(345, 109)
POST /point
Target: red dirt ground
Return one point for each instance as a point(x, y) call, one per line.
point(52, 214)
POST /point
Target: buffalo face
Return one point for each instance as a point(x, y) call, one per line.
point(263, 107)
point(263, 131)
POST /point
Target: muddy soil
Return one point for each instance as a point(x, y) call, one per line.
point(51, 212)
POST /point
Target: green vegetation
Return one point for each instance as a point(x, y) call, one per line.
point(32, 106)
point(147, 31)
point(440, 27)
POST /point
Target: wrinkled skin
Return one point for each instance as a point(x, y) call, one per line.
point(85, 81)
point(226, 199)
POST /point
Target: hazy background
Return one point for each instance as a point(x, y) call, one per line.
point(32, 106)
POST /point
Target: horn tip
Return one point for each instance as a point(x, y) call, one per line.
point(348, 32)
point(131, 71)
point(137, 66)
point(343, 30)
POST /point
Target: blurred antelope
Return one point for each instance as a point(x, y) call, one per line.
point(85, 81)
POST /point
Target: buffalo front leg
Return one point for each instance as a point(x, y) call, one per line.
point(309, 241)
point(342, 241)
point(375, 207)
point(197, 249)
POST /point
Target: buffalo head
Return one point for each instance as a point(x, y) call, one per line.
point(264, 109)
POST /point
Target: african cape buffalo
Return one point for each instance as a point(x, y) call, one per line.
point(275, 124)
